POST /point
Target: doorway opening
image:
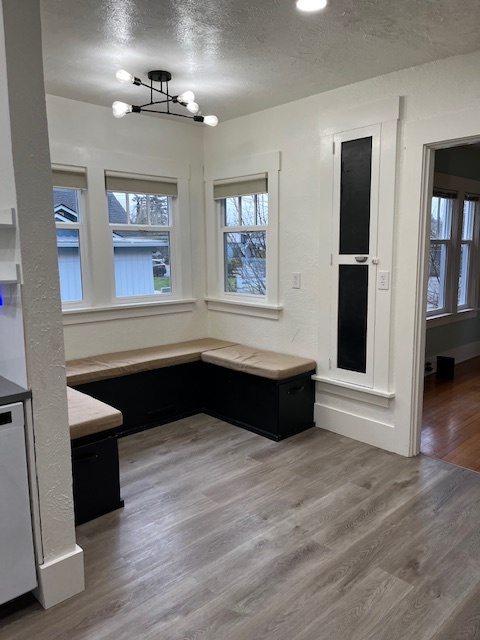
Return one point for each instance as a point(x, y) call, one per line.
point(451, 400)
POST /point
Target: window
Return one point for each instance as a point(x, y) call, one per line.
point(67, 196)
point(451, 282)
point(140, 217)
point(243, 219)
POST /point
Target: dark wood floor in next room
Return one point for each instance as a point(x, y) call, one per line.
point(451, 416)
point(228, 536)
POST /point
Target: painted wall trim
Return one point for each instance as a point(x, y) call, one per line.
point(244, 308)
point(60, 579)
point(378, 434)
point(461, 354)
point(353, 391)
point(120, 312)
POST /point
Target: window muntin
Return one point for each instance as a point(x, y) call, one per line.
point(244, 224)
point(141, 236)
point(67, 211)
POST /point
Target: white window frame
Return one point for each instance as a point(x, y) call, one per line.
point(82, 227)
point(102, 305)
point(217, 298)
point(451, 311)
point(170, 229)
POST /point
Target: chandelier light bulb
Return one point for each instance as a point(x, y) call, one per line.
point(193, 107)
point(124, 76)
point(212, 121)
point(121, 109)
point(311, 5)
point(186, 96)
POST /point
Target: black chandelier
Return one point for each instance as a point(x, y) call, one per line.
point(186, 99)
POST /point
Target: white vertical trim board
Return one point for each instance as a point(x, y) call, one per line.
point(420, 139)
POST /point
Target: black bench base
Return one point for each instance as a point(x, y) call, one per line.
point(96, 477)
point(275, 409)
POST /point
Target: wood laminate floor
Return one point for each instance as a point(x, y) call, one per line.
point(451, 416)
point(228, 536)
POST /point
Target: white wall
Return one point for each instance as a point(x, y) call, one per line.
point(87, 135)
point(432, 95)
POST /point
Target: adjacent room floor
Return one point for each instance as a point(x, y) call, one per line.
point(228, 536)
point(451, 416)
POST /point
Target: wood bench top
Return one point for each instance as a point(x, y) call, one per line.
point(86, 415)
point(266, 364)
point(122, 363)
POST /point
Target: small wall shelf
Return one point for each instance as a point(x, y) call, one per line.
point(7, 218)
point(9, 273)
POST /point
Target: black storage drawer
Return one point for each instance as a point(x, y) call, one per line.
point(296, 398)
point(96, 479)
point(275, 409)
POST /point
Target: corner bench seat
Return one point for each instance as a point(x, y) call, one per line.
point(264, 391)
point(123, 363)
point(257, 362)
point(88, 416)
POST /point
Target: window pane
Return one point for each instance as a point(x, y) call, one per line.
point(464, 275)
point(352, 317)
point(232, 212)
point(355, 196)
point(137, 208)
point(142, 263)
point(248, 210)
point(117, 208)
point(262, 208)
point(436, 277)
point(245, 262)
point(65, 204)
point(441, 220)
point(468, 218)
point(159, 208)
point(69, 265)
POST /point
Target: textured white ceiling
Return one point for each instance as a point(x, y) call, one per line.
point(241, 56)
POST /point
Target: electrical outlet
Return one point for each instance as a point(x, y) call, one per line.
point(296, 281)
point(383, 281)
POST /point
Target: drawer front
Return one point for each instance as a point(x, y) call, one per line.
point(296, 399)
point(96, 482)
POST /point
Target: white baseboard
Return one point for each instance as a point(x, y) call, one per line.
point(60, 579)
point(461, 354)
point(378, 434)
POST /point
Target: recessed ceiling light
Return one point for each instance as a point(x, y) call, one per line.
point(311, 5)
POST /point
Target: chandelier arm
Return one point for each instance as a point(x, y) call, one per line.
point(148, 104)
point(152, 88)
point(178, 115)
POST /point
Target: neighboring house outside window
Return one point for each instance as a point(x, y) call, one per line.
point(67, 196)
point(141, 225)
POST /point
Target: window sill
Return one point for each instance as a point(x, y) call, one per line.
point(354, 391)
point(245, 308)
point(123, 311)
point(449, 318)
